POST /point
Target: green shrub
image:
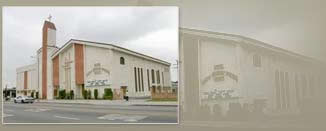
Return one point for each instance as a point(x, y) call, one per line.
point(85, 94)
point(62, 94)
point(108, 94)
point(72, 94)
point(95, 93)
point(89, 94)
point(37, 95)
point(32, 94)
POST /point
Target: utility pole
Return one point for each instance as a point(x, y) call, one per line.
point(176, 65)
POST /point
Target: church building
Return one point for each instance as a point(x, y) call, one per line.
point(85, 65)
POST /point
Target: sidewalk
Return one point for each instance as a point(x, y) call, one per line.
point(113, 102)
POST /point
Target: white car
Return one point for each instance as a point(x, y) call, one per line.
point(24, 99)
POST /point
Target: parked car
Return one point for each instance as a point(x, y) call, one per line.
point(24, 99)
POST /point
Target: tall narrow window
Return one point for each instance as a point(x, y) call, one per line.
point(283, 91)
point(287, 86)
point(277, 90)
point(304, 86)
point(297, 90)
point(158, 76)
point(163, 78)
point(153, 76)
point(135, 78)
point(139, 84)
point(148, 82)
point(257, 60)
point(312, 86)
point(122, 60)
point(142, 80)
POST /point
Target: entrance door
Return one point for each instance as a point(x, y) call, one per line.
point(124, 90)
point(55, 92)
point(81, 90)
point(153, 89)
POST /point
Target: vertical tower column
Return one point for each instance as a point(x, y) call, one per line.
point(48, 41)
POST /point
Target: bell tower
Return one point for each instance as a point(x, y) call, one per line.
point(45, 62)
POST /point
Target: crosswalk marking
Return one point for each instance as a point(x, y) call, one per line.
point(37, 110)
point(70, 118)
point(126, 118)
point(7, 115)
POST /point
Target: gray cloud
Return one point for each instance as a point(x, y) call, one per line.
point(131, 27)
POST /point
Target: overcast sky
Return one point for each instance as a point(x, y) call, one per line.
point(149, 30)
point(295, 25)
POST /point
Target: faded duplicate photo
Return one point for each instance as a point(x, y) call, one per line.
point(90, 65)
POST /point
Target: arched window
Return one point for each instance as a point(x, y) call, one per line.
point(122, 60)
point(257, 60)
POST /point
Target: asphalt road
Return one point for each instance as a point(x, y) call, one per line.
point(86, 113)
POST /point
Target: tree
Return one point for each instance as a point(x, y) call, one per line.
point(95, 93)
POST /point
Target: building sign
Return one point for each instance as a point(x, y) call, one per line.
point(219, 75)
point(97, 76)
point(220, 94)
point(92, 83)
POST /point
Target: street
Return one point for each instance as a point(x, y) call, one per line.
point(87, 113)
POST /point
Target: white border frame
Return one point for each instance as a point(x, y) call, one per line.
point(178, 106)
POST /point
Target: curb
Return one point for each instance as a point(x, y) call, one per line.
point(154, 105)
point(117, 104)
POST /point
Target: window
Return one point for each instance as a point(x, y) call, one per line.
point(142, 80)
point(139, 84)
point(153, 76)
point(148, 82)
point(122, 61)
point(135, 78)
point(278, 89)
point(163, 79)
point(257, 60)
point(158, 76)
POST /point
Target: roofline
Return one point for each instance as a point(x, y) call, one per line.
point(23, 68)
point(49, 24)
point(40, 49)
point(106, 45)
point(247, 40)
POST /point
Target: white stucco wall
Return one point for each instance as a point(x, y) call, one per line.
point(254, 82)
point(215, 53)
point(67, 56)
point(31, 78)
point(51, 40)
point(50, 51)
point(97, 55)
point(121, 75)
point(115, 74)
point(39, 63)
point(124, 74)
